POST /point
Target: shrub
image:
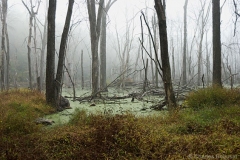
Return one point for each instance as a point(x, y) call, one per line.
point(19, 110)
point(213, 97)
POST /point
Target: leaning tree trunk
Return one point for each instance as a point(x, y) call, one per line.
point(166, 70)
point(62, 52)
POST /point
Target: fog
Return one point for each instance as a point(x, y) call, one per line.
point(123, 16)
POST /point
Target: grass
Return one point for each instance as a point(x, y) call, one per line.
point(212, 130)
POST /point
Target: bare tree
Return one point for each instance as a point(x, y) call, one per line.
point(32, 15)
point(95, 24)
point(123, 51)
point(207, 62)
point(184, 80)
point(82, 74)
point(43, 47)
point(217, 74)
point(204, 19)
point(155, 31)
point(103, 46)
point(166, 70)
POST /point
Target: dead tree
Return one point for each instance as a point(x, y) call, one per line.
point(166, 70)
point(184, 80)
point(95, 24)
point(32, 15)
point(43, 48)
point(82, 74)
point(103, 45)
point(203, 22)
point(123, 49)
point(156, 46)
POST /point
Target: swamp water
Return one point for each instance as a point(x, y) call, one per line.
point(119, 106)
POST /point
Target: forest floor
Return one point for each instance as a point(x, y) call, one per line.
point(208, 128)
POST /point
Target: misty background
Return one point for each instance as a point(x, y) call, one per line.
point(123, 19)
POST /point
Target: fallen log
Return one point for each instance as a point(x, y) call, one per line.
point(158, 106)
point(44, 121)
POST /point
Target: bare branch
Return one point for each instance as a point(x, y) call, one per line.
point(26, 7)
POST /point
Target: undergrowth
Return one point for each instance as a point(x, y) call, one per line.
point(213, 97)
point(185, 134)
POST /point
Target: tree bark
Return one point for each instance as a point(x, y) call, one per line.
point(50, 66)
point(62, 52)
point(166, 70)
point(217, 73)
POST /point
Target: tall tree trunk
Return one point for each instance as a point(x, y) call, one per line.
point(44, 43)
point(29, 46)
point(103, 46)
point(217, 73)
point(207, 62)
point(82, 75)
point(95, 33)
point(50, 67)
point(62, 52)
point(35, 52)
point(173, 62)
point(166, 70)
point(3, 54)
point(156, 46)
point(200, 59)
point(7, 58)
point(3, 44)
point(150, 52)
point(184, 80)
point(145, 77)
